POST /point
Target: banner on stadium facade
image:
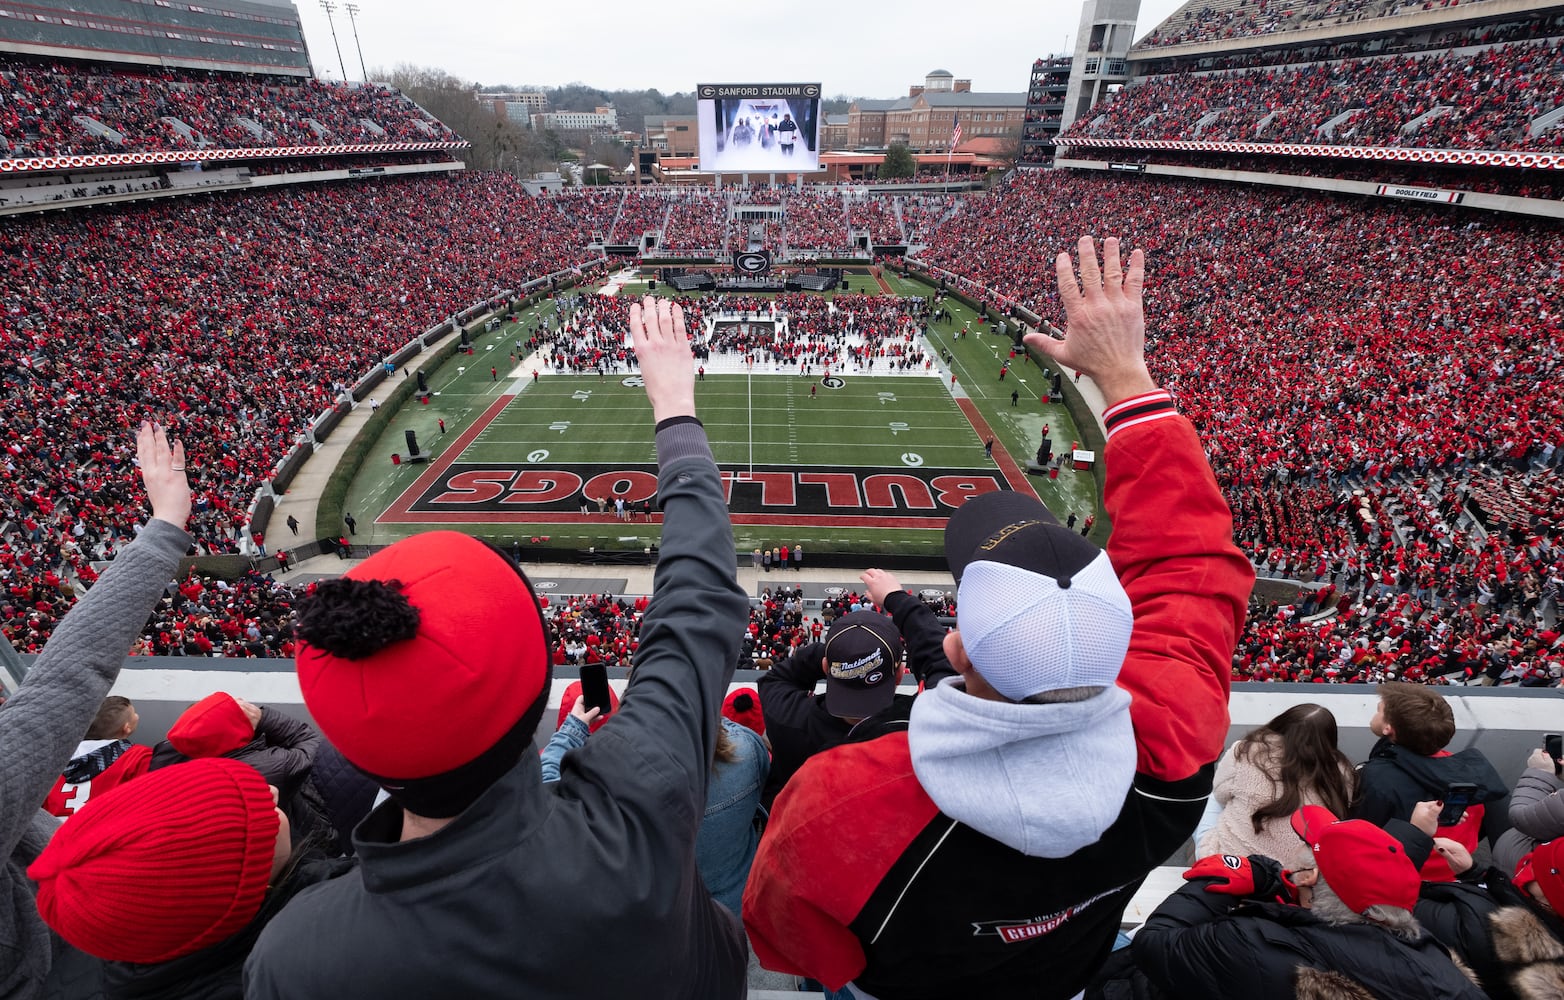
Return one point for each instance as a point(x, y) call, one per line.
point(1128, 168)
point(1437, 195)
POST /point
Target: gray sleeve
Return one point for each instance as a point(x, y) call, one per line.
point(53, 707)
point(656, 752)
point(1536, 805)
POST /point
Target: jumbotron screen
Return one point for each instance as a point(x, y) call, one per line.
point(758, 127)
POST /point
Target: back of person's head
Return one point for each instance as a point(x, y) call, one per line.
point(742, 705)
point(114, 716)
point(863, 653)
point(428, 666)
point(174, 862)
point(1419, 716)
point(568, 700)
point(1040, 610)
point(1541, 873)
point(211, 727)
point(1364, 872)
point(1307, 761)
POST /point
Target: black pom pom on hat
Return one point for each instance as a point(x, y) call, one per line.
point(355, 619)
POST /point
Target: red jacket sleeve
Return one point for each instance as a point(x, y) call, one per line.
point(809, 882)
point(1189, 585)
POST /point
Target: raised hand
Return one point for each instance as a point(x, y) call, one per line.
point(1105, 322)
point(879, 584)
point(662, 348)
point(163, 473)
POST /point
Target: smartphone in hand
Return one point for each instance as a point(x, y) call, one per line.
point(1458, 796)
point(594, 688)
point(1554, 744)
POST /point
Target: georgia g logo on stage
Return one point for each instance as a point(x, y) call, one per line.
point(752, 262)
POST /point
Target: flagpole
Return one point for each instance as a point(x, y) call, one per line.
point(950, 149)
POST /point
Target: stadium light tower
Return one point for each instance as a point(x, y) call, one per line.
point(352, 10)
point(328, 7)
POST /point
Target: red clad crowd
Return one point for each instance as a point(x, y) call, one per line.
point(697, 223)
point(816, 219)
point(236, 319)
point(1473, 100)
point(875, 214)
point(1361, 374)
point(44, 99)
point(1248, 18)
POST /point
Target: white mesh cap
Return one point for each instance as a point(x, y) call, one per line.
point(1026, 634)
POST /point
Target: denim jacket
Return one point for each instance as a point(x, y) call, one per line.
point(730, 828)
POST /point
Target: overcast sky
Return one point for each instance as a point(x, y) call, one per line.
point(873, 50)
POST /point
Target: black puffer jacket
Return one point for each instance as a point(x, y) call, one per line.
point(1209, 945)
point(1515, 948)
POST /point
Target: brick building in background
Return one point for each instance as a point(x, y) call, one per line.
point(923, 119)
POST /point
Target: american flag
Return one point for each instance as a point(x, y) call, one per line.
point(955, 130)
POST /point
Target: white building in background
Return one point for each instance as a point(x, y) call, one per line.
point(600, 120)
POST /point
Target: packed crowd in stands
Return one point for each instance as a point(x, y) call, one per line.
point(591, 209)
point(815, 218)
point(1491, 98)
point(698, 222)
point(642, 211)
point(922, 213)
point(716, 821)
point(1315, 372)
point(37, 118)
point(1249, 18)
point(1516, 183)
point(878, 216)
point(238, 319)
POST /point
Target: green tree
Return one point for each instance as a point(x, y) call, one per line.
point(898, 162)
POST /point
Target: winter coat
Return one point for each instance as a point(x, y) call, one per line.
point(586, 886)
point(1537, 812)
point(214, 973)
point(1514, 947)
point(1394, 780)
point(1218, 947)
point(989, 850)
point(1242, 785)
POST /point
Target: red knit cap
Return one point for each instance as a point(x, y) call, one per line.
point(1363, 864)
point(568, 701)
point(211, 727)
point(1545, 866)
point(430, 690)
point(743, 706)
point(163, 866)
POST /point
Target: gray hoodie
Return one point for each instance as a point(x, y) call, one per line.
point(1046, 780)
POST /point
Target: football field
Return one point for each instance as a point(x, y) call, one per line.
point(866, 462)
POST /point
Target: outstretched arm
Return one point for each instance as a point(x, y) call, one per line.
point(690, 633)
point(43, 722)
point(1172, 542)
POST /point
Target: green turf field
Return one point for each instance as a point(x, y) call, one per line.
point(901, 439)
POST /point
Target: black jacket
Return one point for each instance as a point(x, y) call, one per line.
point(799, 723)
point(584, 887)
point(1211, 945)
point(283, 750)
point(1506, 939)
point(215, 973)
point(1394, 780)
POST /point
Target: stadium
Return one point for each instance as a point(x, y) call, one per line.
point(1351, 213)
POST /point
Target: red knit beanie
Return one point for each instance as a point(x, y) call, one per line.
point(166, 865)
point(423, 657)
point(568, 701)
point(743, 706)
point(211, 727)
